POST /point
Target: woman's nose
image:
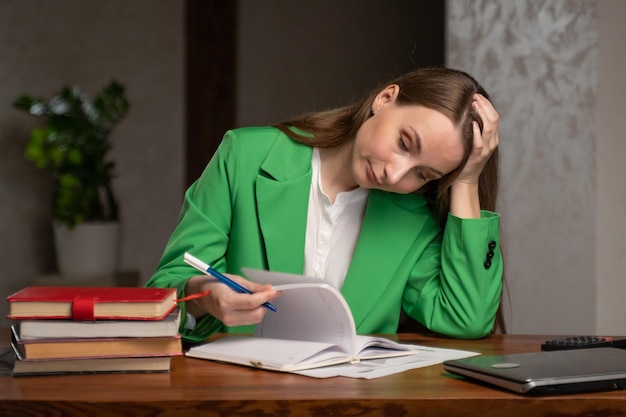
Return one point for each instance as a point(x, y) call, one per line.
point(396, 171)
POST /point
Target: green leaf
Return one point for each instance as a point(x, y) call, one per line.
point(31, 105)
point(74, 157)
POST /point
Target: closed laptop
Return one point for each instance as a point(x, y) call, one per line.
point(551, 372)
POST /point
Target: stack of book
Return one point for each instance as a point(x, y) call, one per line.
point(60, 330)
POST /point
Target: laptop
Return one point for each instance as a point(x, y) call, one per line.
point(548, 372)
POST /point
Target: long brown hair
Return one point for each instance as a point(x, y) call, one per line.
point(446, 90)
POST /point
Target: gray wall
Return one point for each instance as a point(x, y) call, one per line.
point(295, 57)
point(46, 44)
point(555, 70)
point(539, 60)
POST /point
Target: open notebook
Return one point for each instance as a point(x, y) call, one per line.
point(313, 333)
point(312, 328)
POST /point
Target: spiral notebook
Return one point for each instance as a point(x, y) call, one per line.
point(548, 373)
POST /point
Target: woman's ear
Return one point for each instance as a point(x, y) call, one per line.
point(388, 95)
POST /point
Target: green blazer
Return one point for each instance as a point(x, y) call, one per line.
point(249, 209)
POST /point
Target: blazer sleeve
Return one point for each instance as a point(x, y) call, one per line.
point(456, 285)
point(203, 229)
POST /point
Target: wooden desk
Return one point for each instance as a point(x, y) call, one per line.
point(203, 388)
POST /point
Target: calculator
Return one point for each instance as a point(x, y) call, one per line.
point(583, 342)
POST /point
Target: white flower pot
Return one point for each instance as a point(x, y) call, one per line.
point(88, 251)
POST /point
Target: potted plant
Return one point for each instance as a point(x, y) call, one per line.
point(73, 145)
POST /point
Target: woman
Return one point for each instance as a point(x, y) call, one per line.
point(390, 200)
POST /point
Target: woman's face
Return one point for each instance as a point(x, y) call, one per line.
point(401, 148)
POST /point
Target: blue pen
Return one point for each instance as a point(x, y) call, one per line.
point(206, 268)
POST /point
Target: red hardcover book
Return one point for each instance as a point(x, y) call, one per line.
point(92, 303)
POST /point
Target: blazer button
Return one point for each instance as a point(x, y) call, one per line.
point(492, 244)
point(487, 264)
point(490, 254)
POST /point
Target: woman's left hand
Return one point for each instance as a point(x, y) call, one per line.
point(485, 142)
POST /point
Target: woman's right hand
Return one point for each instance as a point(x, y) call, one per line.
point(228, 306)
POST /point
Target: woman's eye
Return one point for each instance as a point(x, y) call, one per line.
point(421, 175)
point(403, 144)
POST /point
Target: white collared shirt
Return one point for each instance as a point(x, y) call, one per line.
point(332, 230)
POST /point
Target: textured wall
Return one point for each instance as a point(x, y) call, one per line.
point(538, 59)
point(45, 45)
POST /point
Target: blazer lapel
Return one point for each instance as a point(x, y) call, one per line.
point(282, 194)
point(390, 226)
